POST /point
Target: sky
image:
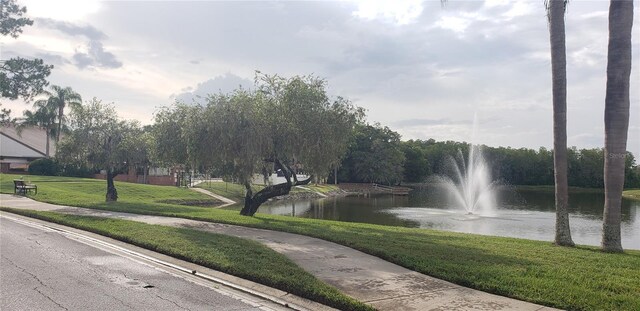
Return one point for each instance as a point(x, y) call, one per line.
point(424, 69)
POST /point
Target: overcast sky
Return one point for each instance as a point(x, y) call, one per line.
point(420, 68)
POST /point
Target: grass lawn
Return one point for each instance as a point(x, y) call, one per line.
point(547, 188)
point(633, 194)
point(91, 192)
point(322, 188)
point(228, 190)
point(581, 278)
point(240, 257)
point(236, 192)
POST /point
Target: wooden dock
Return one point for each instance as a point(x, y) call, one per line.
point(395, 190)
point(371, 188)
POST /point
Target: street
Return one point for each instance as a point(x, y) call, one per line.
point(41, 269)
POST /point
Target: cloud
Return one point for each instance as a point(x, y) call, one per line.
point(401, 12)
point(96, 56)
point(71, 29)
point(221, 84)
point(92, 55)
point(52, 59)
point(428, 122)
point(455, 23)
point(419, 67)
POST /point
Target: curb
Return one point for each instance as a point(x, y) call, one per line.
point(183, 268)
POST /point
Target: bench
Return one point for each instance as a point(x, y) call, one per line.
point(21, 187)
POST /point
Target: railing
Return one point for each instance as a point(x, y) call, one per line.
point(395, 190)
point(367, 188)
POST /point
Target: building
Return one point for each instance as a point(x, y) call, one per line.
point(18, 149)
point(149, 175)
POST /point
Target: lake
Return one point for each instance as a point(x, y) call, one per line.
point(528, 214)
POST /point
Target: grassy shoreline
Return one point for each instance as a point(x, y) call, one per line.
point(235, 192)
point(631, 194)
point(232, 255)
point(581, 278)
point(551, 188)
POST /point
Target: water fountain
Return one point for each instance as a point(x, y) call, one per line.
point(471, 184)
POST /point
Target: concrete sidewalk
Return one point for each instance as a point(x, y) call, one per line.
point(226, 201)
point(384, 285)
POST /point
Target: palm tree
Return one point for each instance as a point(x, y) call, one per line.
point(616, 119)
point(61, 97)
point(555, 15)
point(44, 116)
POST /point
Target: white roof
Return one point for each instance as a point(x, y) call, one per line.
point(32, 137)
point(15, 149)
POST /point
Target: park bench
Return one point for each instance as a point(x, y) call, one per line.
point(21, 187)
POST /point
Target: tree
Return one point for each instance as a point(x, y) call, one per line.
point(60, 98)
point(374, 156)
point(178, 135)
point(278, 125)
point(11, 19)
point(616, 119)
point(555, 14)
point(44, 117)
point(631, 172)
point(416, 167)
point(98, 139)
point(285, 124)
point(19, 77)
point(5, 116)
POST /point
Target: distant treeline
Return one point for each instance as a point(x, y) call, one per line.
point(376, 154)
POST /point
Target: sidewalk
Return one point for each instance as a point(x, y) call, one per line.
point(384, 285)
point(226, 201)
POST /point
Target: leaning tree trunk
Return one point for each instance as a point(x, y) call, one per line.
point(112, 193)
point(253, 201)
point(559, 90)
point(616, 119)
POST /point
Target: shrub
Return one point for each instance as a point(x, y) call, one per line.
point(43, 167)
point(77, 171)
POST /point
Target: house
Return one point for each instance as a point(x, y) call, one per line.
point(150, 175)
point(17, 150)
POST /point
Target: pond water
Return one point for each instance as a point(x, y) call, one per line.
point(526, 214)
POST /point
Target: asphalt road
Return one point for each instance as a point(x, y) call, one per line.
point(41, 269)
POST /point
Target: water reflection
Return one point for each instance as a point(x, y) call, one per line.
point(353, 209)
point(524, 214)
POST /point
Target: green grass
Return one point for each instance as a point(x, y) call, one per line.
point(581, 278)
point(633, 194)
point(240, 257)
point(547, 188)
point(322, 188)
point(236, 192)
point(91, 192)
point(228, 190)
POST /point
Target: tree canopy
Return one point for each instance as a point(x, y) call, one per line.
point(20, 77)
point(23, 78)
point(285, 124)
point(100, 140)
point(60, 97)
point(519, 166)
point(374, 156)
point(12, 19)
